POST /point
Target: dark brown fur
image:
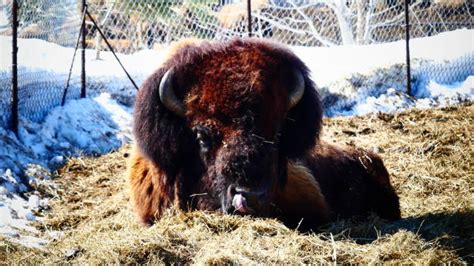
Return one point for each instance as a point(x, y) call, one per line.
point(237, 93)
point(352, 182)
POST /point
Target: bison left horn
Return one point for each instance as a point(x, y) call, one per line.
point(168, 96)
point(298, 90)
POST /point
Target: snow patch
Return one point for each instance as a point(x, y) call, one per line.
point(87, 126)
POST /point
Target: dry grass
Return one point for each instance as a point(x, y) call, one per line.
point(428, 153)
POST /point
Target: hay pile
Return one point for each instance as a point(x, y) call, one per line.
point(428, 153)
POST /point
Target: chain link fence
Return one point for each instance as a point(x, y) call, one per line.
point(134, 25)
point(430, 18)
point(39, 89)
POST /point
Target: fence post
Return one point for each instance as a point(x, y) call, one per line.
point(14, 106)
point(407, 32)
point(249, 16)
point(83, 52)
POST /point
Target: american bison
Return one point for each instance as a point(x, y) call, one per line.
point(234, 127)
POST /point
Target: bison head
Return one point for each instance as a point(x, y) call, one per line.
point(221, 120)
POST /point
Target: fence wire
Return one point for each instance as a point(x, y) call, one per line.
point(39, 90)
point(138, 24)
point(133, 25)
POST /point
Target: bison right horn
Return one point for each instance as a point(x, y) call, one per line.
point(168, 95)
point(298, 90)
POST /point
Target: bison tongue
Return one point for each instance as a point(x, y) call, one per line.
point(240, 203)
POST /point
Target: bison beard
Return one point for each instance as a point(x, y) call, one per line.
point(234, 127)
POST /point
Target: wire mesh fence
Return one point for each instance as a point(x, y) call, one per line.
point(430, 18)
point(54, 21)
point(134, 25)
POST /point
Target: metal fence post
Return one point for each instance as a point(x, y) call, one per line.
point(83, 52)
point(14, 106)
point(249, 16)
point(407, 34)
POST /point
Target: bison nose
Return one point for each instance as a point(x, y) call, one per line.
point(243, 200)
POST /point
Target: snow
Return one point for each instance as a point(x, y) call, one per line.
point(356, 80)
point(86, 126)
point(35, 54)
point(353, 80)
point(439, 95)
point(330, 64)
point(3, 17)
point(437, 90)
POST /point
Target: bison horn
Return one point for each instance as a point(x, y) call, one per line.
point(168, 96)
point(298, 89)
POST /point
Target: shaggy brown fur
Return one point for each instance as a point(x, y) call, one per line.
point(354, 181)
point(146, 188)
point(301, 198)
point(336, 182)
point(237, 137)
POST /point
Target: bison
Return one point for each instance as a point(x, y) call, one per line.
point(234, 127)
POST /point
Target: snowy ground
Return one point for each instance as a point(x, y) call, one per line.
point(353, 80)
point(356, 80)
point(87, 126)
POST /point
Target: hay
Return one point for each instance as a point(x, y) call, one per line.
point(428, 153)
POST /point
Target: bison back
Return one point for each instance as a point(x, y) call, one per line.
point(354, 182)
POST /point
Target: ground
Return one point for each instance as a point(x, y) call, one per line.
point(429, 156)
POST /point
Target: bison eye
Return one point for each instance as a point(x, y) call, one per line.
point(203, 136)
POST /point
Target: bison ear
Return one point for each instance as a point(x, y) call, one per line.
point(160, 133)
point(302, 127)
